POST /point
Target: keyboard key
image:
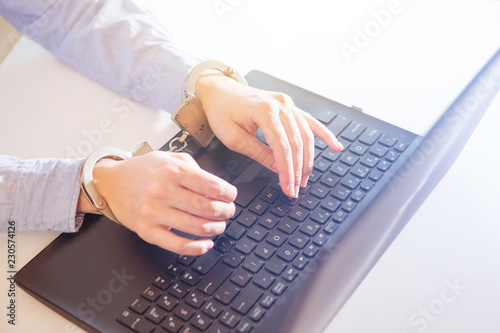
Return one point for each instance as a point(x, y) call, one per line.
point(241, 277)
point(139, 305)
point(191, 278)
point(338, 125)
point(310, 228)
point(247, 218)
point(288, 253)
point(281, 209)
point(358, 148)
point(279, 288)
point(172, 324)
point(256, 313)
point(217, 327)
point(288, 226)
point(268, 300)
point(319, 190)
point(351, 182)
point(244, 326)
point(223, 244)
point(264, 279)
point(329, 180)
point(358, 195)
point(375, 175)
point(253, 263)
point(257, 233)
point(185, 260)
point(156, 315)
point(227, 292)
point(353, 131)
point(370, 160)
point(299, 240)
point(299, 213)
point(392, 156)
point(310, 202)
point(384, 165)
point(258, 207)
point(212, 309)
point(330, 227)
point(270, 195)
point(339, 216)
point(235, 231)
point(301, 262)
point(162, 282)
point(326, 116)
point(370, 136)
point(311, 250)
point(205, 262)
point(201, 321)
point(320, 239)
point(276, 266)
point(134, 322)
point(339, 169)
point(379, 150)
point(320, 215)
point(349, 158)
point(214, 279)
point(331, 204)
point(322, 164)
point(179, 289)
point(265, 250)
point(174, 269)
point(230, 319)
point(340, 192)
point(246, 245)
point(331, 155)
point(360, 171)
point(168, 302)
point(401, 146)
point(387, 140)
point(234, 258)
point(195, 299)
point(319, 143)
point(184, 311)
point(349, 205)
point(151, 293)
point(277, 238)
point(269, 220)
point(290, 274)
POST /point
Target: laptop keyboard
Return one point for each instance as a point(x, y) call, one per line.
point(267, 243)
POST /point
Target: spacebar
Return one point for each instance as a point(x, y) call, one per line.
point(251, 182)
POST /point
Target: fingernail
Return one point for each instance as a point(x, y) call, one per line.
point(291, 190)
point(304, 182)
point(209, 245)
point(274, 167)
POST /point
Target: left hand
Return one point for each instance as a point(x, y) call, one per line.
point(236, 111)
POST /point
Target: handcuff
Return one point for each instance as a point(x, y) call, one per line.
point(189, 116)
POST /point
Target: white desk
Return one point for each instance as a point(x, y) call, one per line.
point(408, 72)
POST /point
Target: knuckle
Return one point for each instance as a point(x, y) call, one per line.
point(298, 142)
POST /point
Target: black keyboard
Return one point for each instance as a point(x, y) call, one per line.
point(268, 242)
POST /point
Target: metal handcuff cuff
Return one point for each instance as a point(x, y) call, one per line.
point(189, 116)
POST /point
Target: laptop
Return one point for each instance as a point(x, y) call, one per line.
point(282, 265)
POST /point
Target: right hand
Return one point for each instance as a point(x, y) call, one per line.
point(153, 193)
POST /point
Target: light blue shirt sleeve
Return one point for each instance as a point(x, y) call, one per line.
point(115, 42)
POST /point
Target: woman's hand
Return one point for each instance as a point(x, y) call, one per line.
point(236, 111)
point(153, 193)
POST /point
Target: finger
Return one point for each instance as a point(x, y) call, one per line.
point(308, 139)
point(201, 206)
point(166, 239)
point(278, 141)
point(324, 133)
point(294, 136)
